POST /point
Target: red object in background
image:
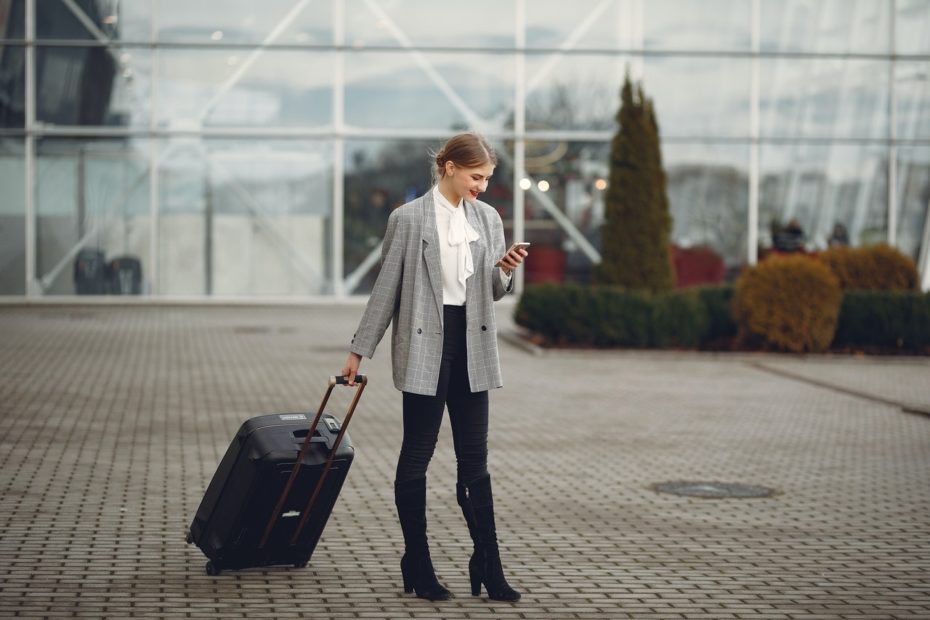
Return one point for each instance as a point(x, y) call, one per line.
point(694, 266)
point(544, 264)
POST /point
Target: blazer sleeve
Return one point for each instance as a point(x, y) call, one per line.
point(384, 295)
point(500, 283)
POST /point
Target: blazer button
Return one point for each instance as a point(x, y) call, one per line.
point(484, 328)
point(419, 331)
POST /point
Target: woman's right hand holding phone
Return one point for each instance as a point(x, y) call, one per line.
point(513, 257)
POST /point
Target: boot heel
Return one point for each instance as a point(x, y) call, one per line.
point(475, 583)
point(408, 580)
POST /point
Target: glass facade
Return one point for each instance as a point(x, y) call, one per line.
point(242, 149)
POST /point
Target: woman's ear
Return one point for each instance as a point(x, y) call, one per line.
point(450, 168)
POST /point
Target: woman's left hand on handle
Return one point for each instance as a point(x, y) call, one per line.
point(350, 370)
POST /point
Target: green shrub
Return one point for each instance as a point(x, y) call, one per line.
point(721, 330)
point(678, 320)
point(541, 309)
point(787, 304)
point(874, 267)
point(610, 316)
point(884, 321)
point(623, 318)
point(594, 316)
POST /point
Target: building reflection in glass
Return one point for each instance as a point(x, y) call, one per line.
point(244, 150)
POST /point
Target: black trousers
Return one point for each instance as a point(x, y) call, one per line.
point(468, 412)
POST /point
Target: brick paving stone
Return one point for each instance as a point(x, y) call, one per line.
point(114, 419)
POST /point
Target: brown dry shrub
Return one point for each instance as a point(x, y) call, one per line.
point(874, 267)
point(787, 304)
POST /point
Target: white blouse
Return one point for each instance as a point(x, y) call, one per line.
point(455, 233)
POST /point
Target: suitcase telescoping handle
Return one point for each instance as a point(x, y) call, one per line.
point(360, 382)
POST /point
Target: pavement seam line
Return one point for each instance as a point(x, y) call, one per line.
point(905, 407)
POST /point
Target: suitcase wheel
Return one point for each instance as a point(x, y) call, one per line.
point(300, 564)
point(190, 537)
point(213, 569)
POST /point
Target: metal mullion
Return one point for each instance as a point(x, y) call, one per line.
point(892, 131)
point(541, 51)
point(30, 150)
point(338, 205)
point(154, 197)
point(752, 236)
point(519, 146)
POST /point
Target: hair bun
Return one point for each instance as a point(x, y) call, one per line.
point(440, 160)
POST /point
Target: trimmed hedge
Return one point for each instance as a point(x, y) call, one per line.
point(884, 321)
point(787, 304)
point(605, 316)
point(611, 316)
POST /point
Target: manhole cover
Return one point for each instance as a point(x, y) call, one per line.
point(712, 490)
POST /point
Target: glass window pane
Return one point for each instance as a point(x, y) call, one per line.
point(464, 90)
point(704, 25)
point(12, 217)
point(12, 86)
point(92, 206)
point(716, 102)
point(828, 189)
point(104, 86)
point(381, 175)
point(427, 23)
point(912, 97)
point(581, 24)
point(824, 98)
point(281, 22)
point(708, 195)
point(12, 20)
point(99, 21)
point(570, 178)
point(245, 217)
point(573, 91)
point(912, 27)
point(837, 26)
point(242, 88)
point(913, 191)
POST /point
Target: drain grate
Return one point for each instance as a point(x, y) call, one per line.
point(714, 490)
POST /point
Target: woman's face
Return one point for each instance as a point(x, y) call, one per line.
point(468, 182)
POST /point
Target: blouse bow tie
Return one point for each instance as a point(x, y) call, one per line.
point(461, 234)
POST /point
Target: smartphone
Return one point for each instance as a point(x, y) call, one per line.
point(519, 244)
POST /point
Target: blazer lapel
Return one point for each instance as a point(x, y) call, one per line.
point(477, 247)
point(431, 248)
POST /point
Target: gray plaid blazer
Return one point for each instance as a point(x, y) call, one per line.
point(408, 292)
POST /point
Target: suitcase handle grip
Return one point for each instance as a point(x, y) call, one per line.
point(360, 382)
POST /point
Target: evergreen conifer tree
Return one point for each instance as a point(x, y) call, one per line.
point(635, 237)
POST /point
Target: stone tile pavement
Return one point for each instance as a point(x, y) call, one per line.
point(114, 418)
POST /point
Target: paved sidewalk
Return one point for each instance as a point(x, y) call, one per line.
point(114, 419)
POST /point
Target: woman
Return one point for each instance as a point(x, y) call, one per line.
point(442, 266)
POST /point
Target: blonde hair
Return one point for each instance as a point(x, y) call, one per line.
point(468, 150)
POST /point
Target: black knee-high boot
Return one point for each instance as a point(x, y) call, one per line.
point(477, 504)
point(416, 566)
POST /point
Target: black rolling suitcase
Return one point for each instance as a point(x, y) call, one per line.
point(275, 489)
